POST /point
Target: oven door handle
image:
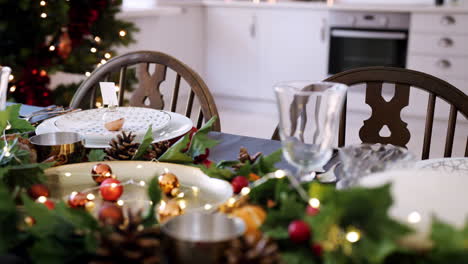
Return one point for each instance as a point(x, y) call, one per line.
point(368, 34)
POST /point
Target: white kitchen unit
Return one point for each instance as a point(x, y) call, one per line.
point(293, 46)
point(248, 50)
point(232, 52)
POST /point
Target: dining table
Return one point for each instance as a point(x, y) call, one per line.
point(228, 147)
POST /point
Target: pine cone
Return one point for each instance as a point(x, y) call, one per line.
point(157, 149)
point(131, 243)
point(122, 147)
point(244, 156)
point(250, 250)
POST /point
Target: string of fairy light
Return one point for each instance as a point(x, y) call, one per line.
point(97, 39)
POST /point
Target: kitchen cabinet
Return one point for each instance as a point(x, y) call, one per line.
point(248, 50)
point(231, 52)
point(294, 46)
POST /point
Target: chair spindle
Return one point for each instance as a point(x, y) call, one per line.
point(429, 125)
point(175, 94)
point(200, 119)
point(122, 81)
point(342, 129)
point(188, 110)
point(450, 131)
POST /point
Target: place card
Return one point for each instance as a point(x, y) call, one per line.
point(108, 92)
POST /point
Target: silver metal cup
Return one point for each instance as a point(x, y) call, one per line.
point(59, 147)
point(199, 237)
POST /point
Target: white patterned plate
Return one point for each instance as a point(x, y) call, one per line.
point(178, 126)
point(452, 165)
point(63, 180)
point(90, 123)
point(420, 194)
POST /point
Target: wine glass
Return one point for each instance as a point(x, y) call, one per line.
point(309, 114)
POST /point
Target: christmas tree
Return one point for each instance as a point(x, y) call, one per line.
point(38, 38)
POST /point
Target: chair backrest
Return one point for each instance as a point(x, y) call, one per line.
point(148, 93)
point(389, 113)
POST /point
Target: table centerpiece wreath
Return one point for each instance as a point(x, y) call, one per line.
point(331, 226)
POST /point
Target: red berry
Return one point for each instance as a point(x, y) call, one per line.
point(317, 250)
point(37, 190)
point(312, 211)
point(49, 204)
point(111, 214)
point(298, 231)
point(111, 189)
point(238, 183)
point(76, 200)
point(207, 163)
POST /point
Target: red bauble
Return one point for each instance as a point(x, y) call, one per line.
point(298, 231)
point(111, 189)
point(312, 211)
point(238, 183)
point(101, 172)
point(77, 200)
point(317, 250)
point(37, 190)
point(111, 214)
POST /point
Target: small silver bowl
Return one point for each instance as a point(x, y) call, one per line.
point(200, 237)
point(59, 147)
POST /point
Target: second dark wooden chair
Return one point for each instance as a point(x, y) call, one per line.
point(389, 113)
point(148, 93)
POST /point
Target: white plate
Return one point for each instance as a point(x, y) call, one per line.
point(90, 123)
point(424, 193)
point(178, 126)
point(65, 179)
point(452, 165)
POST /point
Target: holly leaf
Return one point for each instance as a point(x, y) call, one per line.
point(276, 233)
point(147, 140)
point(10, 116)
point(24, 175)
point(8, 217)
point(266, 164)
point(154, 193)
point(226, 164)
point(96, 155)
point(215, 172)
point(298, 255)
point(79, 218)
point(176, 154)
point(446, 237)
point(200, 140)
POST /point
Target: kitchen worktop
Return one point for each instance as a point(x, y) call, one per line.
point(415, 8)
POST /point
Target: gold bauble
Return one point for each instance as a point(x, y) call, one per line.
point(168, 210)
point(167, 182)
point(253, 216)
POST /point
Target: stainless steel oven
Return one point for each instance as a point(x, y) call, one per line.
point(359, 39)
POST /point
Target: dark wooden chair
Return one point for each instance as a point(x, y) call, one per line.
point(148, 93)
point(389, 113)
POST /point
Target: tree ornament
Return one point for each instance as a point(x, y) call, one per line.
point(312, 211)
point(253, 217)
point(168, 210)
point(111, 189)
point(122, 147)
point(77, 200)
point(37, 190)
point(238, 183)
point(64, 47)
point(111, 214)
point(101, 172)
point(129, 243)
point(298, 231)
point(249, 249)
point(167, 182)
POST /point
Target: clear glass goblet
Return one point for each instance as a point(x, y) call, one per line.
point(309, 114)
